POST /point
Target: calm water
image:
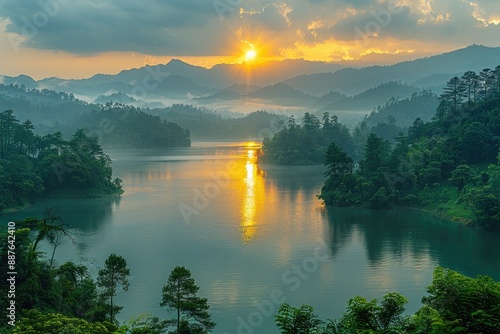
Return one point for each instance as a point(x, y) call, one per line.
point(255, 236)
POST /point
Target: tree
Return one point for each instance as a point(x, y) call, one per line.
point(291, 320)
point(461, 176)
point(114, 274)
point(76, 291)
point(474, 302)
point(35, 322)
point(45, 228)
point(469, 81)
point(146, 324)
point(364, 316)
point(487, 77)
point(497, 80)
point(453, 94)
point(416, 129)
point(376, 152)
point(337, 161)
point(179, 295)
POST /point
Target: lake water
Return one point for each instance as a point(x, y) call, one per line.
point(256, 236)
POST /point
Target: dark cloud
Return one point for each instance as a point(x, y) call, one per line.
point(87, 27)
point(197, 28)
point(380, 22)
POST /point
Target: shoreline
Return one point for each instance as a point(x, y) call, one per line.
point(61, 195)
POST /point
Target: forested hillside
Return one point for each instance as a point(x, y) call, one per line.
point(42, 107)
point(421, 105)
point(440, 165)
point(206, 124)
point(33, 166)
point(121, 126)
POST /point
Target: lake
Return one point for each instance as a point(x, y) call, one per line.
point(256, 236)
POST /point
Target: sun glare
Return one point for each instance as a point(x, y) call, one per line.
point(250, 55)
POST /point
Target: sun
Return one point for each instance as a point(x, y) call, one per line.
point(250, 55)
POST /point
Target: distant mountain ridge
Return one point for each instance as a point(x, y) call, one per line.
point(352, 81)
point(373, 97)
point(193, 80)
point(287, 82)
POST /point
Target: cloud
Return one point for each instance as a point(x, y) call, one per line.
point(195, 28)
point(272, 16)
point(89, 27)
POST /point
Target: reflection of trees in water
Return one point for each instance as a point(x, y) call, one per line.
point(81, 216)
point(304, 180)
point(86, 215)
point(411, 233)
point(91, 215)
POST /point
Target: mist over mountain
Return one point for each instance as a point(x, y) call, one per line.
point(20, 80)
point(283, 87)
point(373, 97)
point(180, 80)
point(403, 112)
point(353, 81)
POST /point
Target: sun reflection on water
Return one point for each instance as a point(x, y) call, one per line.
point(249, 205)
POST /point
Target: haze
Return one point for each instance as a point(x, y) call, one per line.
point(65, 39)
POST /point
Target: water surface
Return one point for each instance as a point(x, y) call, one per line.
point(255, 236)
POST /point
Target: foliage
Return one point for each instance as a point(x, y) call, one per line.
point(455, 304)
point(291, 320)
point(36, 322)
point(145, 324)
point(207, 124)
point(473, 302)
point(32, 166)
point(122, 126)
point(417, 169)
point(67, 290)
point(66, 298)
point(114, 274)
point(420, 105)
point(179, 296)
point(461, 176)
point(43, 107)
point(364, 316)
point(307, 143)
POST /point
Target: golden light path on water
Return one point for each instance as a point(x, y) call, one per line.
point(249, 207)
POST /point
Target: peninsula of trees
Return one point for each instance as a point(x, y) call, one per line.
point(33, 166)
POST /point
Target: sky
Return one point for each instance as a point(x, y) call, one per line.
point(79, 38)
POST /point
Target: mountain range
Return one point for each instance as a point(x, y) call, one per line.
point(297, 83)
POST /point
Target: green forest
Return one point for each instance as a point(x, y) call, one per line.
point(120, 126)
point(450, 165)
point(70, 298)
point(33, 166)
point(305, 143)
